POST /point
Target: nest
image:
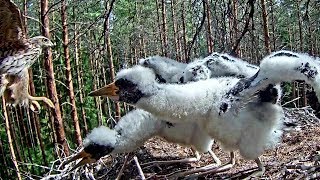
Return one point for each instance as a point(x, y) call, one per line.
point(297, 156)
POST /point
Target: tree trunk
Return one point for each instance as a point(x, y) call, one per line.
point(175, 32)
point(3, 162)
point(265, 27)
point(24, 138)
point(107, 46)
point(235, 27)
point(33, 116)
point(11, 148)
point(79, 79)
point(69, 82)
point(164, 28)
point(301, 85)
point(253, 43)
point(51, 85)
point(184, 33)
point(209, 33)
point(159, 27)
point(272, 4)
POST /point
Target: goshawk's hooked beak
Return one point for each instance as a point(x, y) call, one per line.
point(110, 90)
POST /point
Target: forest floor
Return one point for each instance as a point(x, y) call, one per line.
point(296, 157)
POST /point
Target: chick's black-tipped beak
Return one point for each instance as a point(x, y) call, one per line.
point(86, 159)
point(110, 90)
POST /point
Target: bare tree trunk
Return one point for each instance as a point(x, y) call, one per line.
point(265, 27)
point(80, 85)
point(175, 32)
point(143, 46)
point(95, 79)
point(20, 131)
point(159, 27)
point(300, 26)
point(272, 4)
point(303, 85)
point(13, 156)
point(3, 160)
point(184, 33)
point(293, 84)
point(107, 46)
point(253, 42)
point(235, 26)
point(23, 138)
point(209, 33)
point(51, 85)
point(69, 82)
point(33, 116)
point(38, 129)
point(164, 27)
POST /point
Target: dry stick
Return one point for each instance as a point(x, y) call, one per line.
point(291, 101)
point(123, 166)
point(139, 168)
point(13, 156)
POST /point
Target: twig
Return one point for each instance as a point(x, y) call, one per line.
point(291, 101)
point(204, 2)
point(37, 165)
point(139, 168)
point(106, 19)
point(246, 27)
point(53, 5)
point(32, 18)
point(123, 166)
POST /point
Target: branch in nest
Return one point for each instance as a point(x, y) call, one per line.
point(139, 167)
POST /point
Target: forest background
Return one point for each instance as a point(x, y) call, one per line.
point(94, 39)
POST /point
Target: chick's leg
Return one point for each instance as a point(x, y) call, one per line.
point(259, 172)
point(211, 168)
point(215, 158)
point(186, 160)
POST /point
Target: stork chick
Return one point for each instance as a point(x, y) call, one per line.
point(166, 69)
point(134, 129)
point(280, 66)
point(224, 65)
point(227, 65)
point(217, 65)
point(256, 127)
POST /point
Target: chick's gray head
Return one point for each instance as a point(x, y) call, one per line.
point(195, 72)
point(130, 85)
point(100, 142)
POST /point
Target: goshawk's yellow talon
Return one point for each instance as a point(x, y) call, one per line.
point(36, 104)
point(44, 99)
point(48, 102)
point(32, 108)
